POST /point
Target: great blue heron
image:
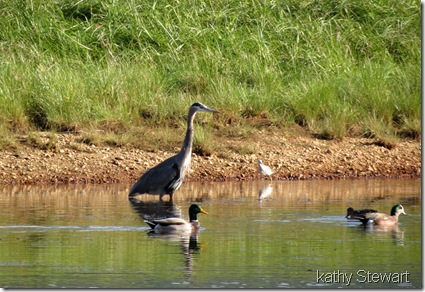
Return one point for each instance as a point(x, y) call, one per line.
point(166, 177)
point(264, 169)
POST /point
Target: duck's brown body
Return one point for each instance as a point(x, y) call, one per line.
point(381, 219)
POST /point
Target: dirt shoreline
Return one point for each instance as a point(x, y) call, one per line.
point(292, 157)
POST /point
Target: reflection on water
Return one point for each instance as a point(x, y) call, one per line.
point(189, 246)
point(265, 192)
point(278, 235)
point(150, 210)
point(159, 209)
point(385, 232)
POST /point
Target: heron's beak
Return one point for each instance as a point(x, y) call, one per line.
point(213, 110)
point(203, 211)
point(207, 109)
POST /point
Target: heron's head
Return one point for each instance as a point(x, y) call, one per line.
point(199, 107)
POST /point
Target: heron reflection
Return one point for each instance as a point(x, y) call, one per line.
point(148, 210)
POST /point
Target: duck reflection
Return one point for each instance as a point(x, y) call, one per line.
point(396, 233)
point(189, 250)
point(189, 243)
point(166, 223)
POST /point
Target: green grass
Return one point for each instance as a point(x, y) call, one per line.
point(337, 68)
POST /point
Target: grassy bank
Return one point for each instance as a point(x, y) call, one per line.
point(119, 70)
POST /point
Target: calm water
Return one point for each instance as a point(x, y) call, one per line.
point(296, 236)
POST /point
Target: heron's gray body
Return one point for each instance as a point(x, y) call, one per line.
point(167, 170)
point(167, 177)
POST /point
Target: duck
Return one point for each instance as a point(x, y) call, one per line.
point(360, 214)
point(389, 220)
point(380, 219)
point(173, 225)
point(264, 169)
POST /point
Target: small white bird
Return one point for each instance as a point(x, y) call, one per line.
point(264, 169)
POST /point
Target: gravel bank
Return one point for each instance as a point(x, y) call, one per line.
point(292, 157)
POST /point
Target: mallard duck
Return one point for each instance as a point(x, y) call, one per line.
point(264, 169)
point(381, 219)
point(171, 225)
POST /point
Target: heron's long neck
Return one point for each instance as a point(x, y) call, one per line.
point(188, 139)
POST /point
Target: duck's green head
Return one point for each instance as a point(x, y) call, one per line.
point(397, 210)
point(194, 210)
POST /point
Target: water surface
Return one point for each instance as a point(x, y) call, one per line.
point(294, 236)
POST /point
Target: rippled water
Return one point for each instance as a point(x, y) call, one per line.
point(294, 236)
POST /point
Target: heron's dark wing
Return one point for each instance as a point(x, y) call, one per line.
point(158, 180)
point(176, 182)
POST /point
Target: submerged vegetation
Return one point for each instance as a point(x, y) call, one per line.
point(127, 68)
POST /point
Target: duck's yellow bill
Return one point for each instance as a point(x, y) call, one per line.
point(203, 211)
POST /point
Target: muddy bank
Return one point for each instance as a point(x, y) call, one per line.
point(292, 157)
